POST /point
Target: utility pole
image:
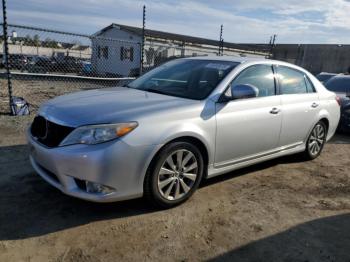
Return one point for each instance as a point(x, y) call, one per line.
point(221, 42)
point(143, 37)
point(272, 44)
point(6, 54)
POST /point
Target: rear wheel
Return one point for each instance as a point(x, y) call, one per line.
point(316, 141)
point(174, 175)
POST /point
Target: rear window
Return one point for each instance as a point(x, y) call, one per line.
point(339, 84)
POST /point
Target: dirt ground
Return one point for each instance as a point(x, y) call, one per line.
point(282, 210)
point(36, 91)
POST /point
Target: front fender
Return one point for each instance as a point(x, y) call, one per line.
point(184, 130)
point(205, 134)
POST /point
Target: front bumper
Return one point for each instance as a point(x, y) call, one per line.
point(115, 164)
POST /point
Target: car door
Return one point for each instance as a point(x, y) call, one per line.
point(300, 105)
point(248, 127)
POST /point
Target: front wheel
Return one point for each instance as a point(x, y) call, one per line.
point(316, 141)
point(174, 175)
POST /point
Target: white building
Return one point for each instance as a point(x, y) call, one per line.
point(116, 49)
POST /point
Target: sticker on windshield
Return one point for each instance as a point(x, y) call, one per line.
point(217, 66)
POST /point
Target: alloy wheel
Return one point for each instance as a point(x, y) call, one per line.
point(177, 174)
point(317, 139)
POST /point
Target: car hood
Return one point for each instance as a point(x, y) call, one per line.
point(108, 105)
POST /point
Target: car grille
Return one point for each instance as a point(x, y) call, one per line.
point(48, 133)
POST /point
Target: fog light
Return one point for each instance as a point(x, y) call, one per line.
point(92, 187)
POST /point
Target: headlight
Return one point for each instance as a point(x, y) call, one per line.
point(96, 134)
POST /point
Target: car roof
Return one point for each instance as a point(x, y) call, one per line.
point(243, 60)
point(327, 74)
point(341, 76)
point(236, 59)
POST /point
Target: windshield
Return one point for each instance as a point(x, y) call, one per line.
point(188, 78)
point(338, 84)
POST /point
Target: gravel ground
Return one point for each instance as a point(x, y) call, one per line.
point(281, 210)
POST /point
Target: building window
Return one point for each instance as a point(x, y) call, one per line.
point(131, 50)
point(121, 53)
point(105, 52)
point(98, 51)
point(126, 53)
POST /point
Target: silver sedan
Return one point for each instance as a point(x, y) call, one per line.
point(187, 120)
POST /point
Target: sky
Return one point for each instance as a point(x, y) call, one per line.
point(244, 21)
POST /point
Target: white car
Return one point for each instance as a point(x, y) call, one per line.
point(186, 120)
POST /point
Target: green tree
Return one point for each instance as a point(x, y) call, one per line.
point(27, 40)
point(36, 40)
point(50, 43)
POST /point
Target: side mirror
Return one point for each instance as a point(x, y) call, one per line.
point(244, 91)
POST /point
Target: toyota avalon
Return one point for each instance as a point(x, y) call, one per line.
point(182, 122)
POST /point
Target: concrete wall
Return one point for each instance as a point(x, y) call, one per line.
point(315, 58)
point(46, 51)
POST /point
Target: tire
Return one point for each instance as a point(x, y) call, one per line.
point(315, 141)
point(167, 182)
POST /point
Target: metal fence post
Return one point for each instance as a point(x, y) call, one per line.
point(222, 47)
point(221, 42)
point(143, 37)
point(6, 54)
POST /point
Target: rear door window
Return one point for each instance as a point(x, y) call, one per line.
point(309, 86)
point(291, 81)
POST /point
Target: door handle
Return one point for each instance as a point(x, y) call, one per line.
point(275, 110)
point(314, 105)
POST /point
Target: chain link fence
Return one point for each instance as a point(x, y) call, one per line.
point(156, 54)
point(46, 63)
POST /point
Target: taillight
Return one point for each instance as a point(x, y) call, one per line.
point(338, 100)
